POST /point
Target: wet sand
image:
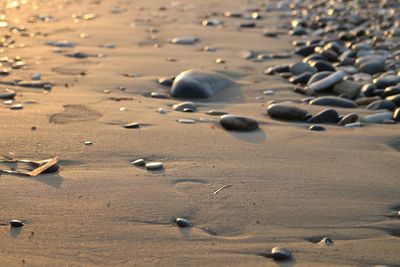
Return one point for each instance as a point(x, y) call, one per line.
point(290, 187)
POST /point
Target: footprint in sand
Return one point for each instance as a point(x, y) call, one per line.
point(75, 113)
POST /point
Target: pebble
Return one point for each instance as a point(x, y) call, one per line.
point(268, 92)
point(280, 254)
point(396, 115)
point(377, 117)
point(63, 44)
point(216, 112)
point(36, 76)
point(185, 107)
point(285, 112)
point(183, 223)
point(193, 84)
point(88, 143)
point(133, 125)
point(333, 101)
point(238, 123)
point(154, 165)
point(349, 118)
point(381, 104)
point(350, 88)
point(184, 40)
point(395, 99)
point(353, 125)
point(301, 67)
point(186, 121)
point(16, 223)
point(327, 82)
point(301, 79)
point(159, 95)
point(166, 81)
point(316, 128)
point(16, 107)
point(162, 111)
point(7, 94)
point(139, 163)
point(326, 241)
point(325, 116)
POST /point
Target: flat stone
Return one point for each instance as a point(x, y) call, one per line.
point(216, 112)
point(349, 88)
point(285, 112)
point(325, 116)
point(316, 128)
point(301, 78)
point(16, 223)
point(238, 123)
point(139, 163)
point(301, 67)
point(386, 81)
point(186, 121)
point(395, 99)
point(7, 94)
point(193, 84)
point(166, 81)
point(377, 117)
point(159, 95)
point(396, 117)
point(154, 165)
point(391, 90)
point(280, 254)
point(353, 124)
point(327, 82)
point(184, 40)
point(133, 125)
point(372, 67)
point(368, 89)
point(334, 102)
point(183, 223)
point(381, 104)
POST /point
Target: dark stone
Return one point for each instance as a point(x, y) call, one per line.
point(391, 90)
point(349, 118)
point(396, 116)
point(325, 116)
point(334, 102)
point(284, 112)
point(319, 76)
point(133, 125)
point(395, 99)
point(236, 123)
point(301, 67)
point(183, 223)
point(306, 50)
point(16, 223)
point(166, 81)
point(322, 65)
point(350, 88)
point(372, 67)
point(362, 101)
point(302, 78)
point(368, 89)
point(386, 81)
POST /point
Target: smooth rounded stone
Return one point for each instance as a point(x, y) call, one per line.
point(368, 89)
point(246, 54)
point(349, 88)
point(389, 121)
point(238, 123)
point(362, 101)
point(325, 116)
point(185, 107)
point(211, 22)
point(31, 84)
point(377, 117)
point(16, 107)
point(353, 124)
point(391, 90)
point(216, 112)
point(139, 163)
point(326, 241)
point(396, 117)
point(333, 101)
point(386, 81)
point(268, 92)
point(166, 81)
point(133, 125)
point(186, 121)
point(316, 128)
point(280, 254)
point(298, 31)
point(7, 94)
point(301, 78)
point(395, 99)
point(63, 44)
point(162, 111)
point(284, 112)
point(16, 223)
point(349, 118)
point(319, 76)
point(301, 67)
point(322, 65)
point(194, 84)
point(36, 76)
point(154, 165)
point(326, 82)
point(247, 24)
point(233, 14)
point(184, 40)
point(159, 95)
point(183, 223)
point(285, 75)
point(305, 51)
point(381, 104)
point(314, 57)
point(372, 67)
point(362, 77)
point(331, 55)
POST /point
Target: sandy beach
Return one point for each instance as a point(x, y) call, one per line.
point(282, 185)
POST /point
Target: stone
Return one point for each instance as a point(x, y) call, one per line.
point(325, 116)
point(184, 40)
point(186, 121)
point(353, 124)
point(301, 78)
point(395, 99)
point(372, 67)
point(285, 112)
point(349, 118)
point(386, 81)
point(396, 116)
point(193, 84)
point(183, 223)
point(349, 88)
point(185, 107)
point(139, 163)
point(301, 67)
point(7, 94)
point(16, 223)
point(166, 81)
point(327, 82)
point(391, 90)
point(133, 125)
point(159, 95)
point(381, 104)
point(36, 76)
point(333, 101)
point(377, 117)
point(326, 241)
point(316, 128)
point(238, 123)
point(216, 112)
point(366, 100)
point(16, 107)
point(322, 65)
point(280, 254)
point(319, 76)
point(63, 44)
point(368, 89)
point(154, 166)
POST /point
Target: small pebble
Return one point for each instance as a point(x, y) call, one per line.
point(133, 125)
point(139, 163)
point(16, 223)
point(154, 165)
point(183, 223)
